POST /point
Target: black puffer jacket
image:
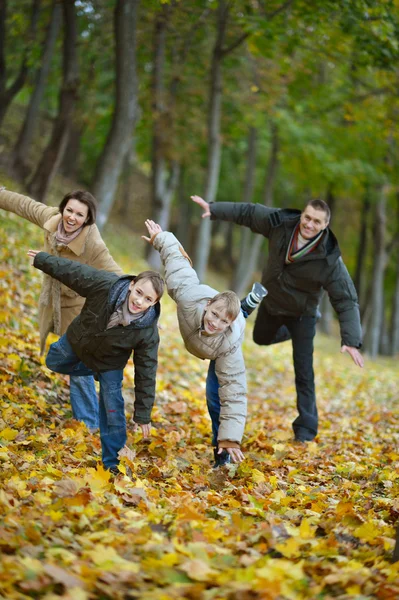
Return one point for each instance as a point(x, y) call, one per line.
point(103, 349)
point(295, 289)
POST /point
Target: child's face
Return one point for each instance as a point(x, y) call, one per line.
point(142, 296)
point(216, 319)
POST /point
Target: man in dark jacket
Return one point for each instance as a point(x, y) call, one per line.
point(120, 315)
point(304, 259)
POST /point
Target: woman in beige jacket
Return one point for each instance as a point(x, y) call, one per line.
point(69, 232)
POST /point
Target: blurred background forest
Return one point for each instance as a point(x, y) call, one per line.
point(146, 103)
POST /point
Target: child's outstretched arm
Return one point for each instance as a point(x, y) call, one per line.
point(230, 372)
point(179, 274)
point(81, 278)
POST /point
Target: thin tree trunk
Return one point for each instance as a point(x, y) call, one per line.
point(395, 555)
point(359, 278)
point(394, 349)
point(8, 94)
point(119, 139)
point(257, 243)
point(184, 209)
point(325, 324)
point(246, 233)
point(214, 142)
point(54, 151)
point(22, 147)
point(163, 184)
point(373, 332)
point(70, 162)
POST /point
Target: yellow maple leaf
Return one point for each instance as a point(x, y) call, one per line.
point(257, 476)
point(306, 530)
point(290, 548)
point(368, 532)
point(8, 434)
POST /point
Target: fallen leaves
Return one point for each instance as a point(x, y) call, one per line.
point(291, 522)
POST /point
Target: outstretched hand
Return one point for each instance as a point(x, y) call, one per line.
point(204, 205)
point(153, 229)
point(355, 355)
point(145, 429)
point(32, 254)
point(235, 454)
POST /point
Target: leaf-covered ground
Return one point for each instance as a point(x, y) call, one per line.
point(307, 522)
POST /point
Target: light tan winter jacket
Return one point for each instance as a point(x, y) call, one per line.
point(191, 298)
point(58, 304)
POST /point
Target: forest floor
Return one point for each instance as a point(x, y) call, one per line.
point(314, 521)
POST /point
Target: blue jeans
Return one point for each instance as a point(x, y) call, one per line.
point(213, 400)
point(62, 359)
point(212, 396)
point(84, 401)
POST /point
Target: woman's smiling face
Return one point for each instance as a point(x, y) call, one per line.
point(74, 215)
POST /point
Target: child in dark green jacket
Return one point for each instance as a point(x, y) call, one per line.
point(120, 315)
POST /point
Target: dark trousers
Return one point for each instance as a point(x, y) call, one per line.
point(271, 329)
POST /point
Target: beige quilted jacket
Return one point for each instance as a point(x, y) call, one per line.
point(58, 304)
point(191, 298)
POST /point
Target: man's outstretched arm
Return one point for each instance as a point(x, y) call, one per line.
point(254, 216)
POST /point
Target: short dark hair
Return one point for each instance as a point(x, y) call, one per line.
point(320, 205)
point(85, 198)
point(157, 282)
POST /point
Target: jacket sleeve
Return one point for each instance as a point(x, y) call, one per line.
point(145, 359)
point(254, 216)
point(102, 259)
point(25, 207)
point(343, 297)
point(82, 279)
point(179, 274)
point(230, 372)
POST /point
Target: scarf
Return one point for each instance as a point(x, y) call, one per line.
point(122, 315)
point(294, 253)
point(64, 238)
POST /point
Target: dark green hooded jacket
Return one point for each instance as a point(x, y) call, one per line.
point(295, 289)
point(103, 349)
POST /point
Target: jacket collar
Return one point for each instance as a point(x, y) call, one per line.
point(328, 247)
point(78, 244)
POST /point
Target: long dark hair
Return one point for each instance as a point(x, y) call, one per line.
point(85, 198)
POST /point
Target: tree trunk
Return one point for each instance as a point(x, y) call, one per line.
point(214, 142)
point(8, 94)
point(184, 209)
point(359, 278)
point(119, 139)
point(54, 151)
point(394, 349)
point(70, 162)
point(22, 147)
point(325, 324)
point(395, 555)
point(253, 256)
point(246, 233)
point(163, 183)
point(373, 331)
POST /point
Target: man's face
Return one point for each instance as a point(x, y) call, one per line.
point(142, 296)
point(216, 319)
point(312, 222)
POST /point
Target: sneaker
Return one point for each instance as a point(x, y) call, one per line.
point(255, 296)
point(114, 471)
point(221, 459)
